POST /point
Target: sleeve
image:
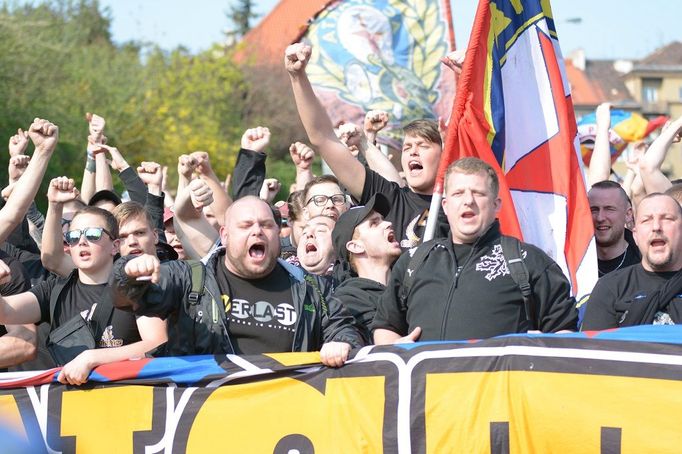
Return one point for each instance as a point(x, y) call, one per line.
point(35, 217)
point(42, 292)
point(600, 310)
point(19, 282)
point(376, 183)
point(389, 314)
point(151, 300)
point(248, 174)
point(155, 207)
point(552, 293)
point(338, 325)
point(137, 190)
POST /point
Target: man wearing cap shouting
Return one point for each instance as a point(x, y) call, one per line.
point(367, 242)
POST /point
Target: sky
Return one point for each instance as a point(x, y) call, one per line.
point(608, 29)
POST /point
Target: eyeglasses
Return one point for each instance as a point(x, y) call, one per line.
point(92, 234)
point(321, 200)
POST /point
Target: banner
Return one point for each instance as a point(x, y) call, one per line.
point(514, 110)
point(381, 54)
point(626, 127)
point(617, 391)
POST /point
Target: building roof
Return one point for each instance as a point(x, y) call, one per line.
point(610, 81)
point(668, 55)
point(285, 25)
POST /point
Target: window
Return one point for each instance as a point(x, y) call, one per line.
point(650, 88)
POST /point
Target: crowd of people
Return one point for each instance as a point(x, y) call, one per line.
point(341, 264)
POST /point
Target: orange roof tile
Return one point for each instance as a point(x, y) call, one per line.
point(583, 90)
point(284, 25)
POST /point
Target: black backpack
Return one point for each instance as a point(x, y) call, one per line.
point(511, 250)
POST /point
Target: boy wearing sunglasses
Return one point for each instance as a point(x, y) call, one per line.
point(92, 241)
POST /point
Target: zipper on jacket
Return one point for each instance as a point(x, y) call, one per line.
point(455, 282)
point(222, 318)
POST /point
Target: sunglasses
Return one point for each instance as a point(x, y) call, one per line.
point(92, 234)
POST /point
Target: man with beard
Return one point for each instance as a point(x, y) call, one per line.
point(611, 209)
point(250, 301)
point(649, 292)
point(367, 242)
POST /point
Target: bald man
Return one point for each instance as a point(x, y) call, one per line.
point(252, 302)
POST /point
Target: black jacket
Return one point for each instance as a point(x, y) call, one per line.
point(360, 297)
point(476, 298)
point(200, 328)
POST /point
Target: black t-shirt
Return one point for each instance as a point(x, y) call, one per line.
point(409, 210)
point(613, 294)
point(261, 315)
point(78, 298)
point(18, 283)
point(631, 256)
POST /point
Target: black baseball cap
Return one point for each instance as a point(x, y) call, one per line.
point(345, 226)
point(104, 194)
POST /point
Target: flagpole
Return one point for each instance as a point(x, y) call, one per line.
point(432, 219)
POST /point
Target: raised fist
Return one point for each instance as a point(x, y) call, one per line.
point(200, 194)
point(603, 115)
point(186, 165)
point(296, 57)
point(203, 162)
point(269, 190)
point(145, 267)
point(95, 126)
point(454, 60)
point(256, 139)
point(18, 143)
point(301, 155)
point(17, 166)
point(150, 173)
point(62, 190)
point(375, 121)
point(351, 136)
point(44, 135)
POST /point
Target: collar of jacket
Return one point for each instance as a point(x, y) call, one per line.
point(490, 234)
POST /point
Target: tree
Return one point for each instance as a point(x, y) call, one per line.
point(240, 15)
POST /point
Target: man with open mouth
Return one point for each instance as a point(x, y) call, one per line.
point(649, 292)
point(250, 302)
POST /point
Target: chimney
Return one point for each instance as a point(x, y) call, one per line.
point(577, 57)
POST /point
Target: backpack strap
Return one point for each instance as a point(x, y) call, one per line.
point(198, 271)
point(100, 318)
point(418, 255)
point(511, 250)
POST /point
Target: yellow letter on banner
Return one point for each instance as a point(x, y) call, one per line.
point(104, 419)
point(257, 417)
point(551, 412)
point(10, 416)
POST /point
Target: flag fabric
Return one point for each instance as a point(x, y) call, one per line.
point(513, 109)
point(381, 54)
point(626, 127)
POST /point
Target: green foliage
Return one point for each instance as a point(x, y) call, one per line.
point(58, 62)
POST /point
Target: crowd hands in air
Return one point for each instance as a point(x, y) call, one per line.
point(219, 268)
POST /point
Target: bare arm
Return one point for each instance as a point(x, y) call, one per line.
point(193, 230)
point(386, 336)
point(220, 198)
point(600, 162)
point(44, 135)
point(318, 126)
point(153, 333)
point(650, 164)
point(18, 345)
point(302, 156)
point(52, 256)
